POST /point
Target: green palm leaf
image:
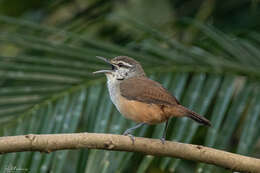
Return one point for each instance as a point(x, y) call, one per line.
point(47, 87)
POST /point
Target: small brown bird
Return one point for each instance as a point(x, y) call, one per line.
point(141, 99)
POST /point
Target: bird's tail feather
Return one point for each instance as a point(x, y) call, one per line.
point(196, 117)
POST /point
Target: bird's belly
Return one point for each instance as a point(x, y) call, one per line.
point(141, 112)
point(135, 110)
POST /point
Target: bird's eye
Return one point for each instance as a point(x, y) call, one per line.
point(120, 65)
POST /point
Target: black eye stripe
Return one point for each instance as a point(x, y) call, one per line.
point(122, 65)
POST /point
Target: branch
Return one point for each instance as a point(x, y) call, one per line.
point(53, 142)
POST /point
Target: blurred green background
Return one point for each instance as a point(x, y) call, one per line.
point(206, 52)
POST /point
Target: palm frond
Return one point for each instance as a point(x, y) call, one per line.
point(47, 87)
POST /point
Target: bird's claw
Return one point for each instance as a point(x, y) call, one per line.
point(126, 133)
point(162, 140)
point(130, 136)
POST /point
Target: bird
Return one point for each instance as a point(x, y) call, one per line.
point(141, 99)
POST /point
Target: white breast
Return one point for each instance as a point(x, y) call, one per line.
point(114, 91)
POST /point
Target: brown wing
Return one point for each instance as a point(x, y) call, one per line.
point(146, 90)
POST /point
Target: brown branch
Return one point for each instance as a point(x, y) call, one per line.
point(53, 142)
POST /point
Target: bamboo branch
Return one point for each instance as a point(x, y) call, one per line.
point(53, 142)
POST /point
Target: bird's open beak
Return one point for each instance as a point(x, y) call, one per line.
point(104, 71)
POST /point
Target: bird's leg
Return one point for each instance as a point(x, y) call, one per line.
point(164, 132)
point(128, 131)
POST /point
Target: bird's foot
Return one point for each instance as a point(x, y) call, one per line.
point(162, 140)
point(126, 133)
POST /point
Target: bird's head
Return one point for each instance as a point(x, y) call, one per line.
point(122, 67)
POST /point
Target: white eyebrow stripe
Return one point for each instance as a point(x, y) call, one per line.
point(125, 64)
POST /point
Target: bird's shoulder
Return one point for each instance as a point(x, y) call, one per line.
point(146, 90)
